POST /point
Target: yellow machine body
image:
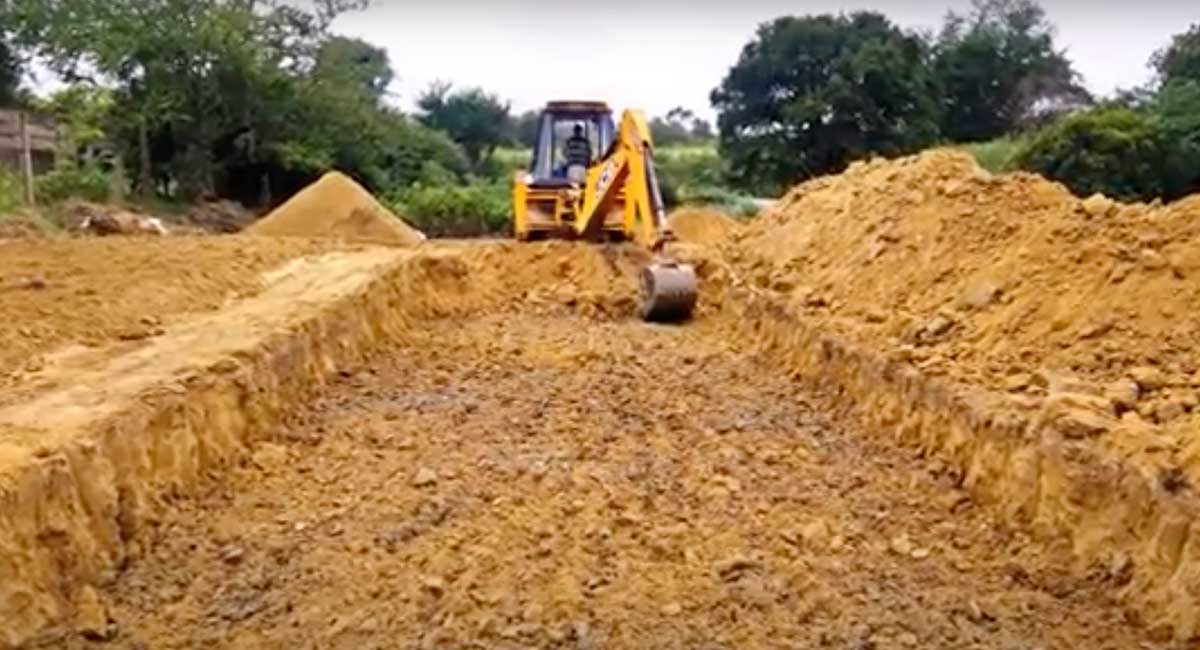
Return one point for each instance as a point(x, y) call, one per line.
point(615, 196)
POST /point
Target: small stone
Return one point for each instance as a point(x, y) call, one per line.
point(937, 326)
point(731, 568)
point(1123, 394)
point(1018, 382)
point(1077, 415)
point(875, 316)
point(901, 545)
point(672, 609)
point(424, 477)
point(908, 639)
point(36, 282)
point(981, 293)
point(1119, 272)
point(434, 585)
point(232, 554)
point(920, 553)
point(91, 616)
point(1148, 378)
point(1098, 205)
point(1151, 260)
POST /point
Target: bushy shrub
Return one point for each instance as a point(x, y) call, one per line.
point(1113, 150)
point(1142, 153)
point(88, 182)
point(12, 195)
point(455, 210)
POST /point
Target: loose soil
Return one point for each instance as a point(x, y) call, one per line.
point(1004, 282)
point(95, 292)
point(549, 480)
point(703, 226)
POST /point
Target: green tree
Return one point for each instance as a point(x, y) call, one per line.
point(679, 126)
point(808, 95)
point(525, 128)
point(356, 62)
point(998, 66)
point(10, 75)
point(479, 122)
point(1179, 61)
point(187, 74)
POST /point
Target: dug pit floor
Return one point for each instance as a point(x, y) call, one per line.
point(544, 481)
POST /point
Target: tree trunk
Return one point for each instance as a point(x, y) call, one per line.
point(145, 172)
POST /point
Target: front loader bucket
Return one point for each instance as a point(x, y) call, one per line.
point(668, 292)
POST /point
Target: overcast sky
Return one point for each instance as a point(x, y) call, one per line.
point(657, 54)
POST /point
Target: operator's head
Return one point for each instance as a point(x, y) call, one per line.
point(578, 130)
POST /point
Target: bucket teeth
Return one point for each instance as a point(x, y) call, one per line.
point(668, 292)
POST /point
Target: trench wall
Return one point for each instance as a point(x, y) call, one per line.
point(75, 509)
point(1124, 523)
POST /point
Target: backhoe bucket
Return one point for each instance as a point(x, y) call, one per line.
point(668, 292)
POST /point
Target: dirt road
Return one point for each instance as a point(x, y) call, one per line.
point(522, 481)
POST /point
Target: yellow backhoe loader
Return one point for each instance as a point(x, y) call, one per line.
point(594, 180)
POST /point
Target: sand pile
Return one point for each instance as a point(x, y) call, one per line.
point(336, 206)
point(702, 226)
point(1008, 282)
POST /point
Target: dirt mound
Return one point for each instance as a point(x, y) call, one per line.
point(99, 291)
point(702, 225)
point(1005, 281)
point(338, 207)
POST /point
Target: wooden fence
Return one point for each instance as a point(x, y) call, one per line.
point(28, 143)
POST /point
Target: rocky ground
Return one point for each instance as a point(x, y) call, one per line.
point(540, 480)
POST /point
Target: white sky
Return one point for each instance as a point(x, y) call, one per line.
point(657, 54)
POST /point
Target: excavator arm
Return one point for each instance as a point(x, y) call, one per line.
point(627, 166)
point(627, 172)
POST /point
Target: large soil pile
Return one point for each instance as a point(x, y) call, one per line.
point(100, 291)
point(702, 226)
point(1004, 281)
point(337, 207)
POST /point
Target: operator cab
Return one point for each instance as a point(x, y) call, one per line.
point(557, 134)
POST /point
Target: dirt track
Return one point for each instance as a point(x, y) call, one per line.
point(522, 481)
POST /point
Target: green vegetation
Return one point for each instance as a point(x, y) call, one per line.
point(12, 195)
point(168, 101)
point(809, 95)
point(995, 65)
point(996, 156)
point(455, 210)
point(1128, 153)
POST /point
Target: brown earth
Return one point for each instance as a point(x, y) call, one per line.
point(540, 479)
point(1005, 282)
point(93, 292)
point(703, 226)
point(336, 206)
point(539, 469)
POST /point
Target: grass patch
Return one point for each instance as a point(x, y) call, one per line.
point(997, 156)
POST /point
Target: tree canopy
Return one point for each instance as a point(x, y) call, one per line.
point(1180, 60)
point(239, 98)
point(10, 75)
point(997, 66)
point(810, 94)
point(476, 120)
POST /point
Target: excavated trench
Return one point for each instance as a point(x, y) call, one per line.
point(480, 446)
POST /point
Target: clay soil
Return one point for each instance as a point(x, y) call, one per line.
point(100, 292)
point(544, 479)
